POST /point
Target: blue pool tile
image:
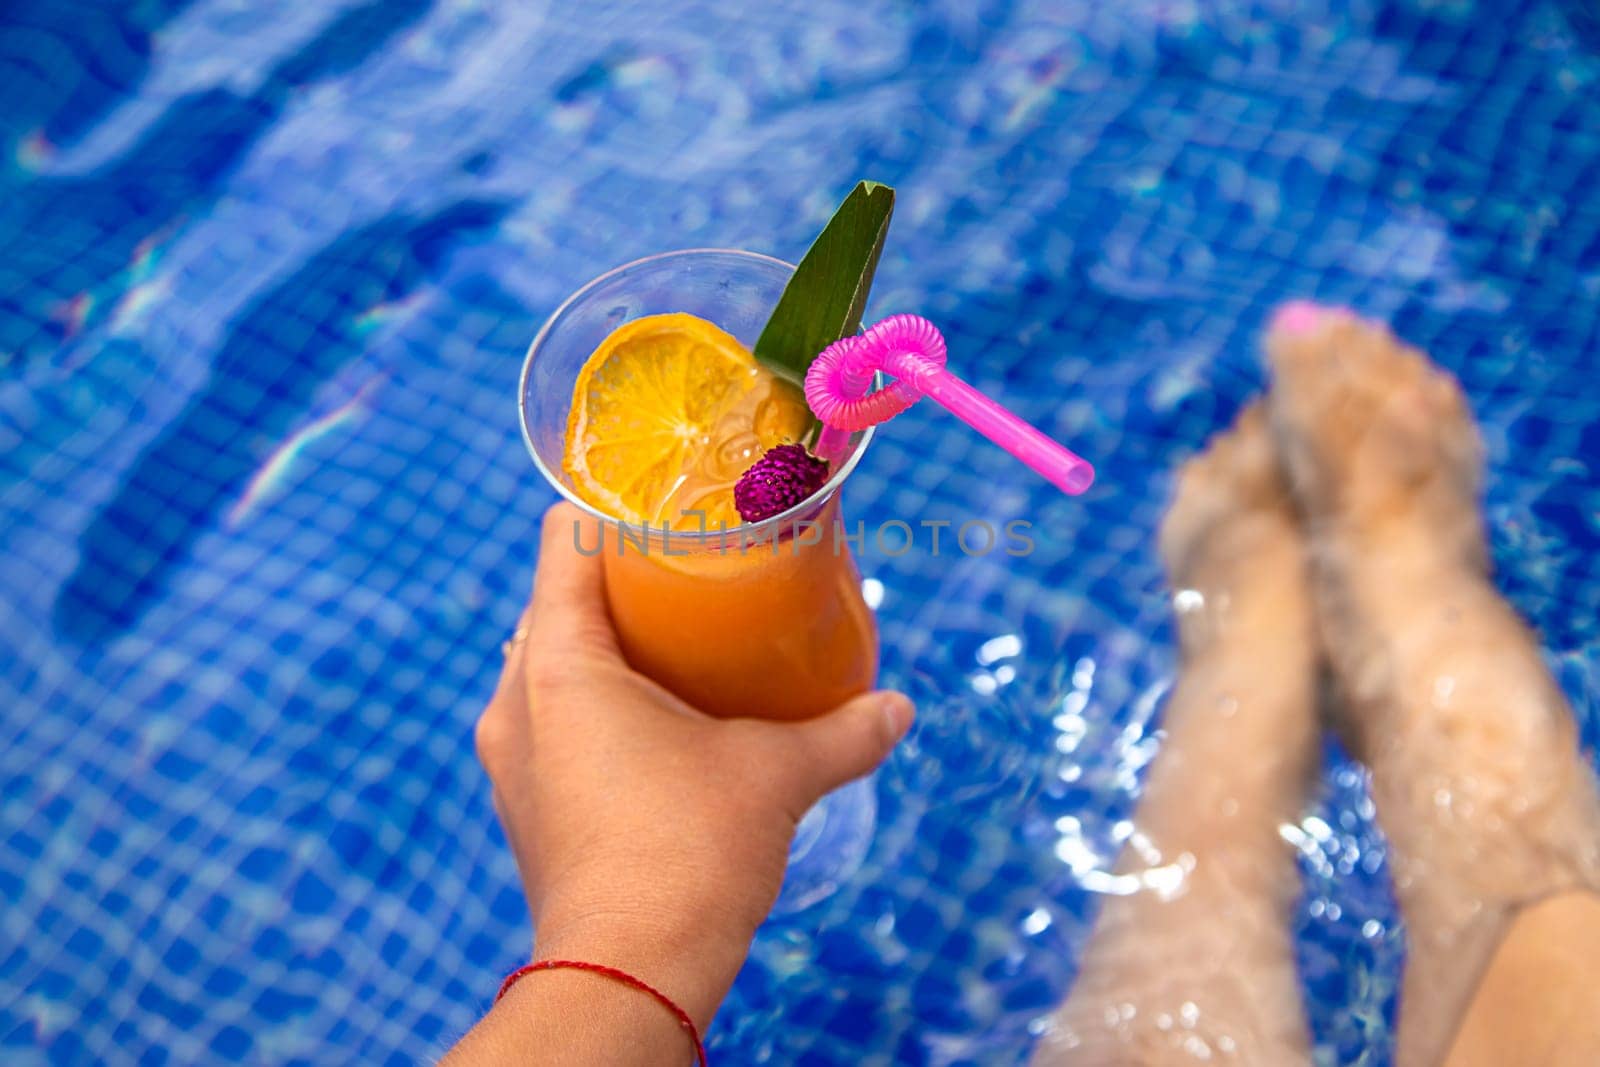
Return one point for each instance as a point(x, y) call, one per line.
point(266, 279)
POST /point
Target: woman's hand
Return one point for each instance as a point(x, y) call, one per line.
point(649, 836)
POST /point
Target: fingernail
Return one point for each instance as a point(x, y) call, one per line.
point(1298, 316)
point(897, 713)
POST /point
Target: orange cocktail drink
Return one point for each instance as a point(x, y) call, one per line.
point(774, 627)
point(642, 405)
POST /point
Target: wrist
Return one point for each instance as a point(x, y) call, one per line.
point(580, 1012)
point(691, 953)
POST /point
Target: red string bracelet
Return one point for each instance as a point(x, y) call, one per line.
point(686, 1023)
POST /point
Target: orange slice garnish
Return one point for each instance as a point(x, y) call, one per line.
point(667, 414)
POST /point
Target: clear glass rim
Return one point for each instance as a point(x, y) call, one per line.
point(756, 530)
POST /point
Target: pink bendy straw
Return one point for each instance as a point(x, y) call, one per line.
point(912, 349)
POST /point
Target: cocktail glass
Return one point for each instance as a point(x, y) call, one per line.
point(762, 620)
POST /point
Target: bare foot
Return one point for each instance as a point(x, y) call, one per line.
point(1231, 536)
point(1377, 441)
point(1476, 773)
point(1192, 960)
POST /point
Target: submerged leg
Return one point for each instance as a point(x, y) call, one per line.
point(1197, 963)
point(1479, 785)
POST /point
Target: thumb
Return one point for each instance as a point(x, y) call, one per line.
point(846, 743)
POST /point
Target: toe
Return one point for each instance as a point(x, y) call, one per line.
point(1299, 330)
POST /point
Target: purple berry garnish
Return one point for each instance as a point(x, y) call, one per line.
point(778, 481)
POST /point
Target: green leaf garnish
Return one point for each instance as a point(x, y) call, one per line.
point(824, 300)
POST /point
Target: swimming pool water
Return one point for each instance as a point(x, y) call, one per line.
point(267, 273)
